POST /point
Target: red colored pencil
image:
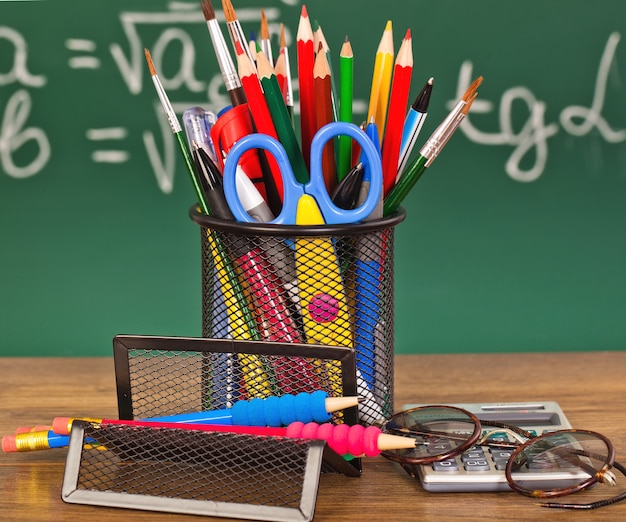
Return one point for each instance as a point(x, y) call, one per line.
point(259, 110)
point(323, 115)
point(398, 101)
point(306, 62)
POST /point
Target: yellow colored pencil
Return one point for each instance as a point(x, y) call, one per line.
point(381, 80)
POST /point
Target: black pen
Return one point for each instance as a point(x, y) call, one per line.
point(346, 192)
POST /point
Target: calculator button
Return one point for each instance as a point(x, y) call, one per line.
point(477, 465)
point(499, 453)
point(446, 465)
point(438, 447)
point(473, 455)
point(500, 464)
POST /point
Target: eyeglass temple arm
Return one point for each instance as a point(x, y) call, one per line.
point(592, 505)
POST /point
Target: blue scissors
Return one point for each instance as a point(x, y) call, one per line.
point(293, 191)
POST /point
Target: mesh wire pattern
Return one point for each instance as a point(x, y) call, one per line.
point(325, 285)
point(159, 376)
point(190, 471)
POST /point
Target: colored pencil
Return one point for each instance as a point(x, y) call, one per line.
point(224, 60)
point(280, 72)
point(398, 100)
point(235, 30)
point(320, 40)
point(324, 115)
point(265, 39)
point(413, 125)
point(381, 79)
point(259, 110)
point(346, 90)
point(345, 440)
point(431, 149)
point(282, 120)
point(306, 61)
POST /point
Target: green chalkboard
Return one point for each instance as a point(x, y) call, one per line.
point(514, 239)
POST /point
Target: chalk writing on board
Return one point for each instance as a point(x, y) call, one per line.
point(15, 132)
point(526, 163)
point(576, 120)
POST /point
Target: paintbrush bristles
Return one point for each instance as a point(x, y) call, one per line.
point(265, 30)
point(207, 10)
point(149, 60)
point(229, 11)
point(472, 88)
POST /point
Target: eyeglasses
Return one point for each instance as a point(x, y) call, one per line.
point(551, 465)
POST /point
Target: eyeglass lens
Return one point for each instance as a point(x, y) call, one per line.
point(572, 458)
point(438, 430)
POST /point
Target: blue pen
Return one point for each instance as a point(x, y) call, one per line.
point(271, 411)
point(413, 125)
point(367, 297)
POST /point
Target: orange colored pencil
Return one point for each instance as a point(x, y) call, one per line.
point(398, 101)
point(323, 115)
point(306, 62)
point(258, 109)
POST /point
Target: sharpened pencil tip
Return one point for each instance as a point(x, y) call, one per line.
point(149, 60)
point(431, 81)
point(303, 12)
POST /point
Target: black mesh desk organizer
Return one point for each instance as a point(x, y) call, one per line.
point(201, 472)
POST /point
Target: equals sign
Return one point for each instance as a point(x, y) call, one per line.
point(84, 46)
point(110, 155)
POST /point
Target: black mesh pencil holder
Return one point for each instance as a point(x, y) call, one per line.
point(330, 285)
point(193, 472)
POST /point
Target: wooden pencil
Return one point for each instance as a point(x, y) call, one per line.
point(346, 90)
point(398, 101)
point(381, 79)
point(258, 109)
point(306, 61)
point(324, 115)
point(281, 118)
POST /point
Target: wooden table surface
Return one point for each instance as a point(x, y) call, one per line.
point(590, 387)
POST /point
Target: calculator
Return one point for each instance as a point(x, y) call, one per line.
point(481, 468)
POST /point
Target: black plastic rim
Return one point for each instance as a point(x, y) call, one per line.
point(266, 229)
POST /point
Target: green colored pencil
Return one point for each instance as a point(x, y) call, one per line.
point(282, 120)
point(346, 83)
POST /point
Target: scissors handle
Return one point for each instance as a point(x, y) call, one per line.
point(334, 215)
point(292, 189)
